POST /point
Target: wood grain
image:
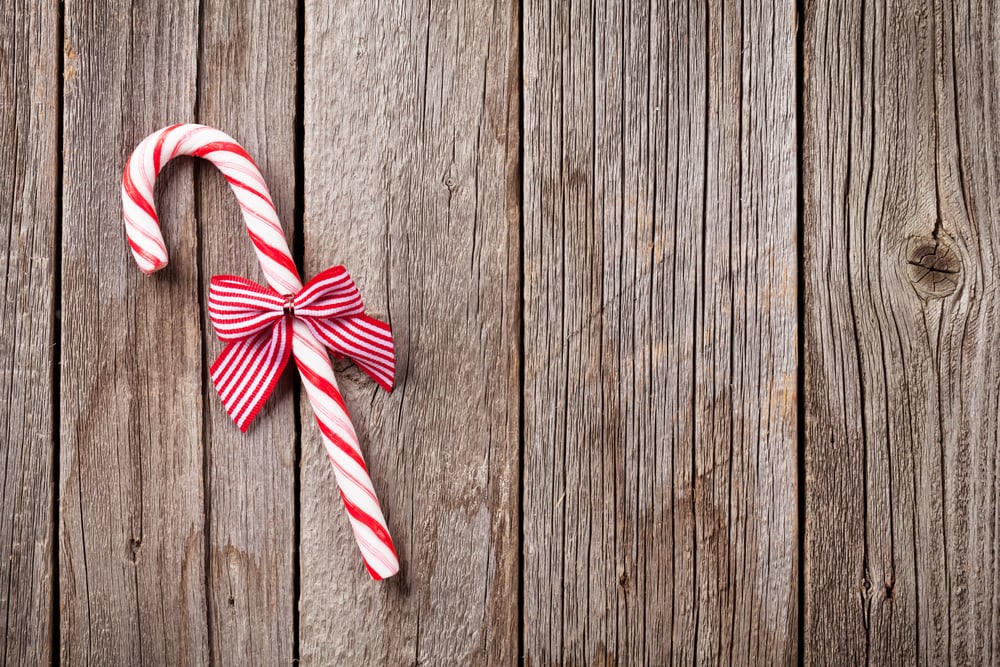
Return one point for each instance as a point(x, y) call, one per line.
point(592, 453)
point(29, 118)
point(132, 512)
point(900, 252)
point(246, 86)
point(660, 319)
point(411, 147)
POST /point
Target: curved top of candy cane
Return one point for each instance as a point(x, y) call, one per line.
point(142, 225)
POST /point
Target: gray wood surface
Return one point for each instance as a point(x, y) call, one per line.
point(131, 495)
point(660, 333)
point(411, 140)
point(246, 85)
point(900, 190)
point(29, 125)
point(585, 223)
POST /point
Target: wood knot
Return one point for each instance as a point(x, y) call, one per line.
point(932, 266)
point(449, 182)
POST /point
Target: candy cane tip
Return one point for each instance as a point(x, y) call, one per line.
point(379, 576)
point(154, 268)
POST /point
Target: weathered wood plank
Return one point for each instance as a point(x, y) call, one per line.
point(900, 182)
point(29, 118)
point(246, 87)
point(660, 333)
point(132, 550)
point(411, 147)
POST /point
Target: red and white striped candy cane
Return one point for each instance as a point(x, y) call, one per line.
point(146, 241)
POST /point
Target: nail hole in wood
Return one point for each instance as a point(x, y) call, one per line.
point(134, 545)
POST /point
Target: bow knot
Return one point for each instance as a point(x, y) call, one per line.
point(256, 323)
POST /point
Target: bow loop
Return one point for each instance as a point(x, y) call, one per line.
point(330, 294)
point(240, 308)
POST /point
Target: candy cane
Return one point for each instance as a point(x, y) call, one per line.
point(327, 309)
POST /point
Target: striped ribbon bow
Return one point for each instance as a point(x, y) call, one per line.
point(255, 322)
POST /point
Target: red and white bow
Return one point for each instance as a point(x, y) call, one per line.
point(255, 322)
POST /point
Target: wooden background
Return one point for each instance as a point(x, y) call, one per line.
point(695, 313)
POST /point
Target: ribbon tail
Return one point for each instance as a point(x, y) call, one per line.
point(365, 340)
point(247, 370)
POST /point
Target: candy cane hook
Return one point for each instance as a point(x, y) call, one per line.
point(264, 327)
